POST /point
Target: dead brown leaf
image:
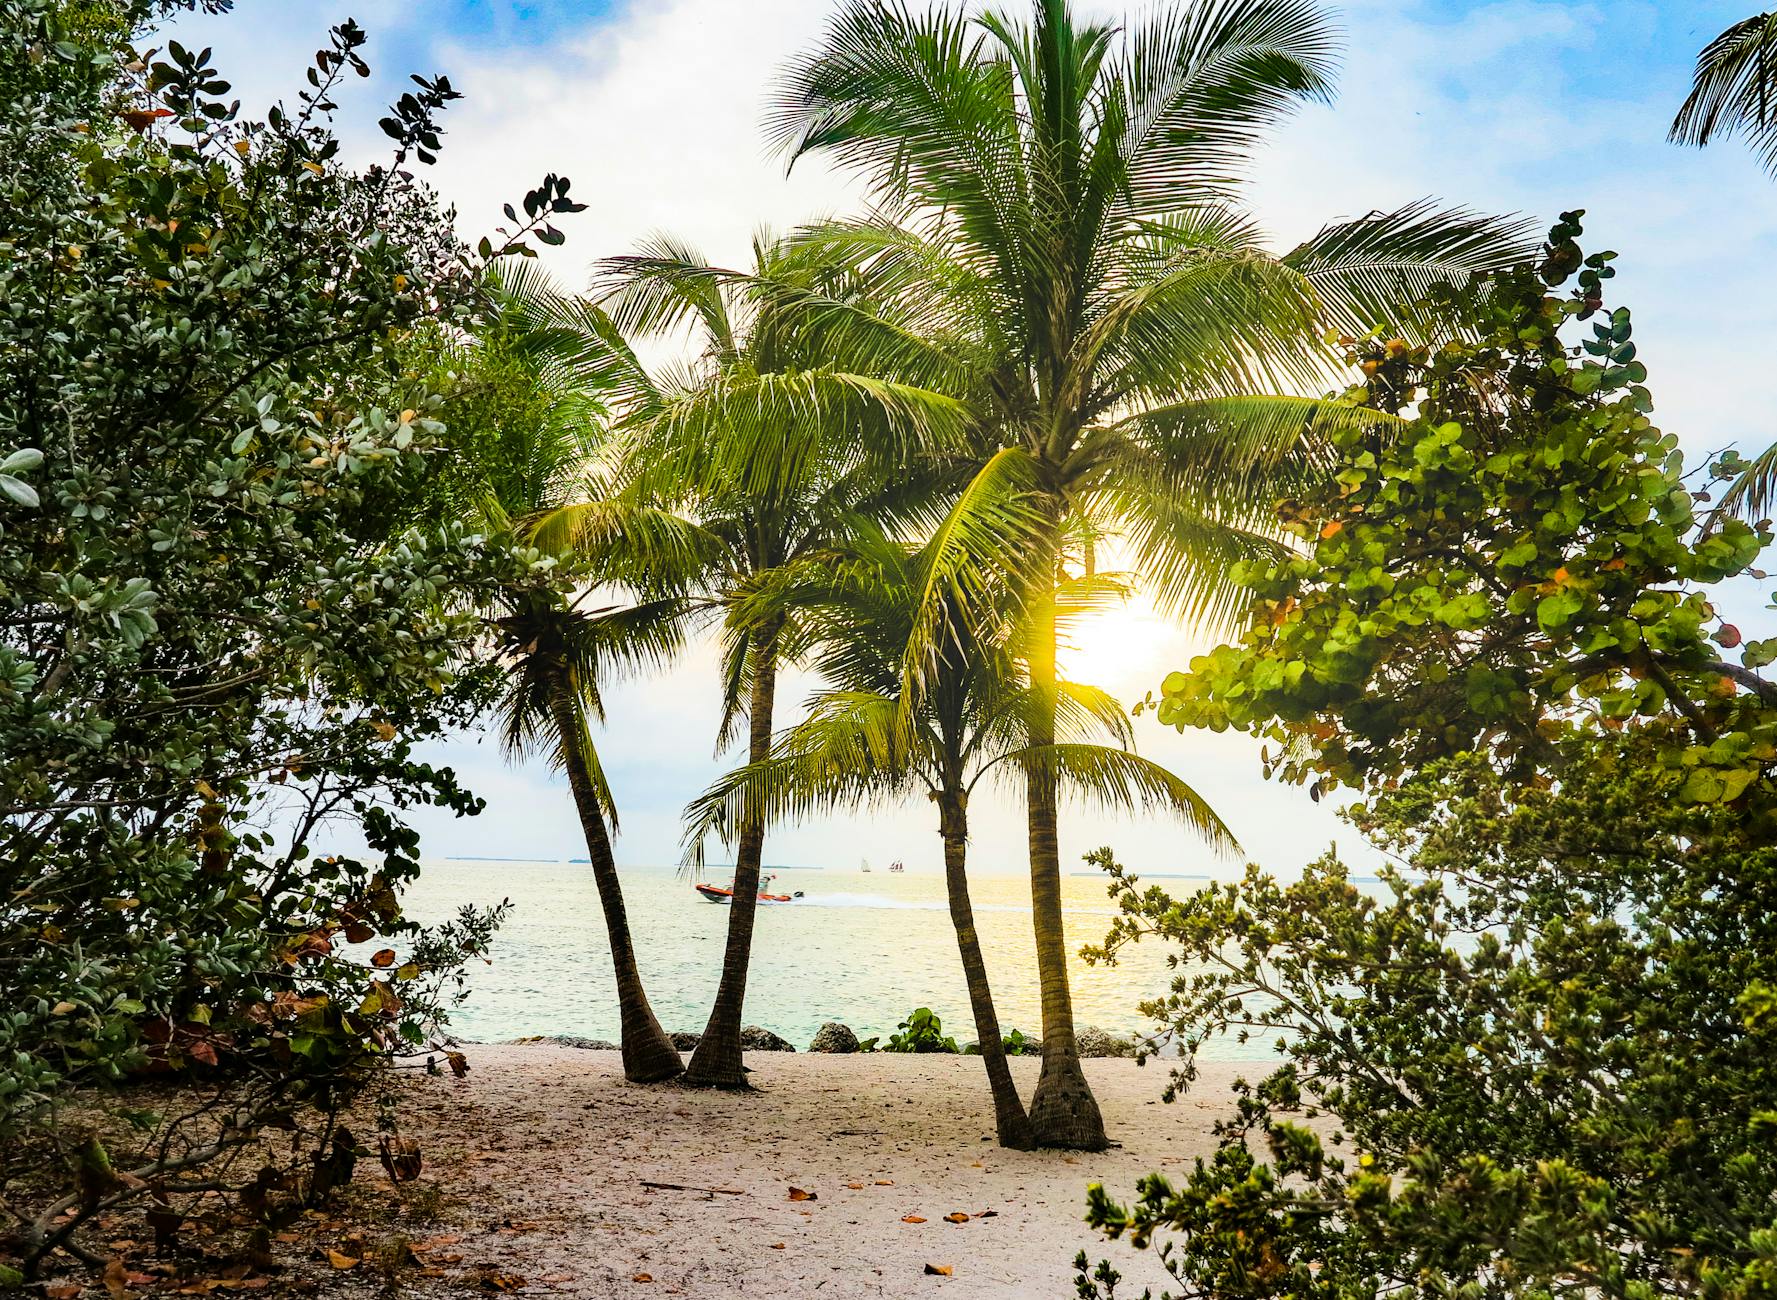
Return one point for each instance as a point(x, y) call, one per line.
point(938, 1270)
point(777, 1245)
point(911, 1218)
point(340, 1260)
point(643, 1277)
point(116, 1280)
point(798, 1194)
point(856, 1187)
point(956, 1217)
point(885, 1182)
point(62, 1291)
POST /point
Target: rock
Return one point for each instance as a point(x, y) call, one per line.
point(1094, 1041)
point(755, 1039)
point(833, 1037)
point(570, 1040)
point(686, 1042)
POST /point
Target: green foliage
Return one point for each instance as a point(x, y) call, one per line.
point(216, 636)
point(922, 1031)
point(1535, 1059)
point(1519, 561)
point(1014, 1042)
point(1544, 1032)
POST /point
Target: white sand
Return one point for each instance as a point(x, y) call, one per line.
point(554, 1143)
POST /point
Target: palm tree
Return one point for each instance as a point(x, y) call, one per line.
point(866, 739)
point(1734, 91)
point(1057, 215)
point(544, 422)
point(766, 448)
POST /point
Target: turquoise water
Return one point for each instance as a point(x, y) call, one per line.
point(859, 948)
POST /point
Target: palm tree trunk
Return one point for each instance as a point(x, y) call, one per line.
point(717, 1061)
point(1009, 1120)
point(648, 1054)
point(1063, 1111)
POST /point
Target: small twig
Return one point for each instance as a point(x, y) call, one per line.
point(681, 1187)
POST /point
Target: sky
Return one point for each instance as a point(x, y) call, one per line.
point(653, 107)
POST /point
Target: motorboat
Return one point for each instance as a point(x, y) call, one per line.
point(717, 894)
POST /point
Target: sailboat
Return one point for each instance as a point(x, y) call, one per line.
point(897, 865)
point(866, 867)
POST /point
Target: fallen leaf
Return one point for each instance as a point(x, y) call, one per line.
point(116, 1280)
point(777, 1245)
point(957, 1217)
point(643, 1277)
point(856, 1187)
point(797, 1194)
point(885, 1182)
point(987, 1214)
point(386, 957)
point(911, 1218)
point(938, 1270)
point(61, 1291)
point(340, 1260)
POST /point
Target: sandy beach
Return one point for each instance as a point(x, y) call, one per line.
point(546, 1156)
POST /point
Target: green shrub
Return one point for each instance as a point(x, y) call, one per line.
point(217, 638)
point(1537, 1056)
point(920, 1032)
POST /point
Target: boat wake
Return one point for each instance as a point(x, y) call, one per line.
point(884, 903)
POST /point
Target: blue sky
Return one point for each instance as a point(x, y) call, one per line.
point(652, 107)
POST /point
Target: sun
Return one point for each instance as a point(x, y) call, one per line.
point(1126, 648)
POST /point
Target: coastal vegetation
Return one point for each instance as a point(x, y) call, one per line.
point(1544, 1041)
point(215, 620)
point(295, 482)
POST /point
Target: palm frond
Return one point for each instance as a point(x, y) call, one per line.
point(1752, 494)
point(1118, 779)
point(1734, 90)
point(664, 286)
point(976, 552)
point(1198, 85)
point(851, 749)
point(1370, 271)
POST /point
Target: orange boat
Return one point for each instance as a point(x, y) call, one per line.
point(716, 894)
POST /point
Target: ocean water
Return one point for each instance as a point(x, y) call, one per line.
point(860, 948)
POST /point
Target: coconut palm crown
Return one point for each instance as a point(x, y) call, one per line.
point(1058, 214)
point(865, 739)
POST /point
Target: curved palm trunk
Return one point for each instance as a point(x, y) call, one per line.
point(717, 1061)
point(648, 1054)
point(1010, 1123)
point(1063, 1111)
